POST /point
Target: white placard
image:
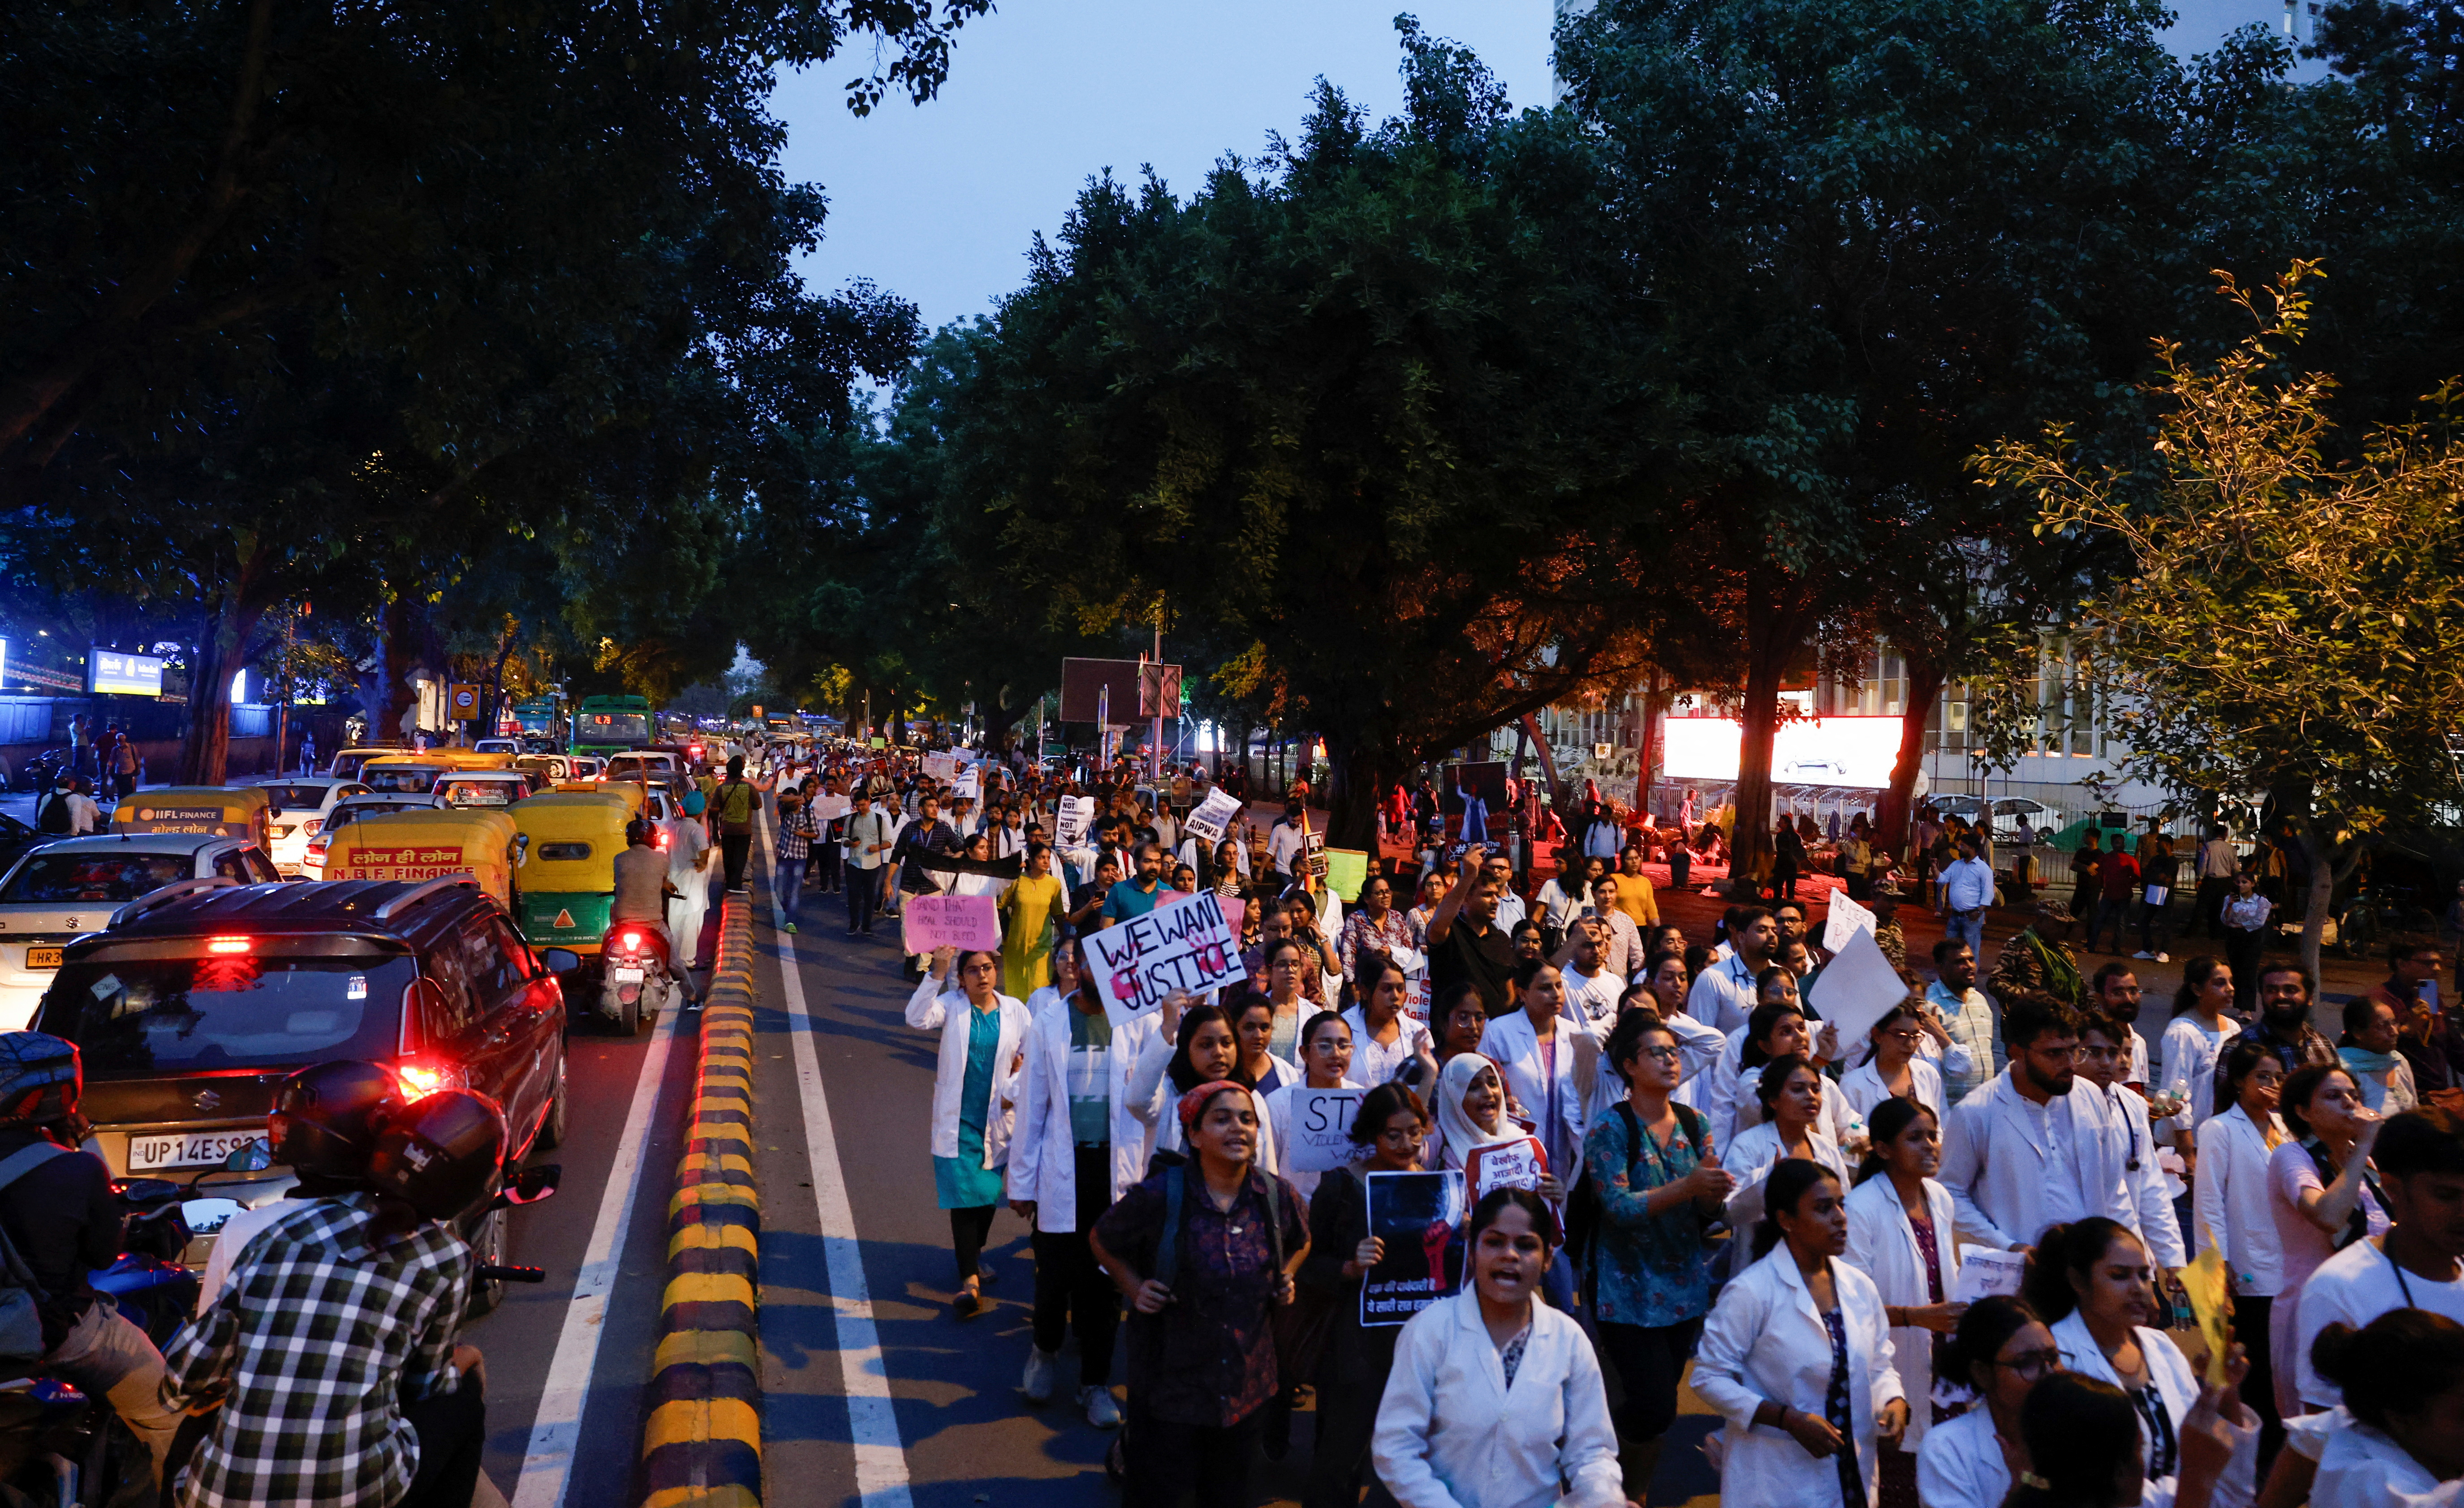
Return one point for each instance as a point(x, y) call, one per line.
point(1984, 1271)
point(969, 784)
point(1069, 825)
point(831, 808)
point(1858, 988)
point(1187, 944)
point(941, 766)
point(1319, 1139)
point(1847, 919)
point(1213, 816)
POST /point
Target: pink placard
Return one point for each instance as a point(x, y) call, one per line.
point(951, 920)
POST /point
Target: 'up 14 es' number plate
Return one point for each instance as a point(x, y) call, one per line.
point(204, 1149)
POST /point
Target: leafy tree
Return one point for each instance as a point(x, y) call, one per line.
point(2290, 626)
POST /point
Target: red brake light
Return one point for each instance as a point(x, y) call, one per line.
point(419, 1081)
point(227, 945)
point(629, 941)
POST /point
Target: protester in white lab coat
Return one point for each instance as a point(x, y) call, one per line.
point(2023, 1151)
point(1383, 1038)
point(1192, 1045)
point(1902, 1235)
point(1495, 1399)
point(1895, 1066)
point(1326, 1061)
point(1797, 1359)
point(2151, 1189)
point(973, 1085)
point(2084, 1438)
point(1535, 1048)
point(2402, 1377)
point(2236, 1214)
point(2193, 1039)
point(1079, 1146)
point(1790, 1092)
point(2092, 1277)
point(2000, 1351)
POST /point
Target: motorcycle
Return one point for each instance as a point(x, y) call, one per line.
point(42, 771)
point(637, 976)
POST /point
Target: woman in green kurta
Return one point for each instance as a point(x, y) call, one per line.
point(1034, 910)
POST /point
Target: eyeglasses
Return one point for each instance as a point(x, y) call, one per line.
point(2032, 1366)
point(1658, 1055)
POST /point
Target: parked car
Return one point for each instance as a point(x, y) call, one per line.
point(73, 886)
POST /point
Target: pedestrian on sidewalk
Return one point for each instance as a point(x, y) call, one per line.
point(1079, 1148)
point(973, 1085)
point(1967, 894)
point(2245, 917)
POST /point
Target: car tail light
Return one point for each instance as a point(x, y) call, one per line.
point(314, 826)
point(661, 842)
point(227, 945)
point(422, 1079)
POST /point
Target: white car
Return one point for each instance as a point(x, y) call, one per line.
point(303, 804)
point(311, 864)
point(483, 787)
point(65, 889)
point(508, 746)
point(652, 765)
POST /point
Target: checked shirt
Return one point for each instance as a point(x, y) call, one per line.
point(311, 1348)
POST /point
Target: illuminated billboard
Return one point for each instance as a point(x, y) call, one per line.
point(114, 672)
point(1826, 751)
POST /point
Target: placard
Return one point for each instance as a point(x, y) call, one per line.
point(1319, 1138)
point(1984, 1271)
point(1416, 997)
point(831, 808)
point(1212, 818)
point(941, 766)
point(1314, 853)
point(1857, 988)
point(1419, 1218)
point(1183, 946)
point(1346, 872)
point(1846, 920)
point(1235, 908)
point(2209, 1288)
point(949, 921)
point(1519, 1164)
point(969, 784)
point(1070, 825)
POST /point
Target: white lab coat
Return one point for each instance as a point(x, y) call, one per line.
point(1044, 1158)
point(1961, 1465)
point(1882, 1245)
point(1996, 1173)
point(2169, 1373)
point(1862, 1087)
point(1765, 1342)
point(2149, 1187)
point(2364, 1468)
point(1157, 1105)
point(2231, 1200)
point(928, 1008)
point(1280, 1117)
point(1510, 1044)
point(2185, 1057)
point(1752, 1157)
point(1451, 1434)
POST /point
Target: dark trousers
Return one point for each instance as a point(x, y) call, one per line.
point(1650, 1361)
point(452, 1438)
point(1070, 1289)
point(2243, 948)
point(735, 848)
point(826, 870)
point(2155, 926)
point(2212, 890)
point(863, 898)
point(1167, 1459)
point(1347, 1415)
point(2250, 1316)
point(968, 1228)
point(2112, 920)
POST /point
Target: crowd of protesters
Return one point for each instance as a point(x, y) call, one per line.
point(1733, 1199)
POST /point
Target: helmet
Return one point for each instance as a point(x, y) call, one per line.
point(40, 1077)
point(638, 830)
point(326, 1116)
point(444, 1155)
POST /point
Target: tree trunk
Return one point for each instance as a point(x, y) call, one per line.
point(1558, 795)
point(396, 657)
point(1356, 773)
point(1771, 639)
point(1899, 803)
point(1643, 782)
point(205, 748)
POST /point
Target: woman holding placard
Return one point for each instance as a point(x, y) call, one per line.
point(1192, 1046)
point(1326, 1059)
point(973, 1086)
point(1390, 1128)
point(1900, 1234)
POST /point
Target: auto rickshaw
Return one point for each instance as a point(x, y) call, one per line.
point(631, 793)
point(483, 843)
point(569, 874)
point(226, 811)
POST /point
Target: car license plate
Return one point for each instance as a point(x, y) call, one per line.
point(204, 1149)
point(627, 975)
point(42, 958)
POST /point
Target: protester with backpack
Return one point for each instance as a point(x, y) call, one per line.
point(68, 811)
point(1204, 1251)
point(733, 807)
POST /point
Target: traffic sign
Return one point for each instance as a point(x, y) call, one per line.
point(463, 700)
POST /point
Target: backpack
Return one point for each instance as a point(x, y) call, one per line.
point(1584, 1206)
point(55, 817)
point(21, 1321)
point(1175, 1186)
point(736, 801)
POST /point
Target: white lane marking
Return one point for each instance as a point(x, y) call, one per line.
point(547, 1465)
point(872, 1422)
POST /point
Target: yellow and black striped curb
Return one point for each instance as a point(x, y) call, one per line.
point(701, 1447)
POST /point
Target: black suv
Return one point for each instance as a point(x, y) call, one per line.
point(200, 998)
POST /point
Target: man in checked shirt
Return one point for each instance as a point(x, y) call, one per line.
point(331, 1348)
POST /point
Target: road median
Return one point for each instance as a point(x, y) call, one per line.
point(702, 1444)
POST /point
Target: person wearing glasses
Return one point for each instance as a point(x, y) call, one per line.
point(2022, 1152)
point(2002, 1350)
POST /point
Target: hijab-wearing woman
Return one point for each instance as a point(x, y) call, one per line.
point(1202, 1342)
point(1390, 1128)
point(2000, 1352)
point(1900, 1234)
point(2092, 1280)
point(2237, 1148)
point(1383, 1038)
point(2323, 1195)
point(974, 1085)
point(1471, 1113)
point(1797, 1358)
point(1495, 1399)
point(2402, 1379)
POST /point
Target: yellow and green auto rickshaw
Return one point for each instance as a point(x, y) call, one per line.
point(482, 843)
point(226, 811)
point(569, 874)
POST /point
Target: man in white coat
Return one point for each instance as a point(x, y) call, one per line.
point(2023, 1151)
point(2151, 1198)
point(1078, 1148)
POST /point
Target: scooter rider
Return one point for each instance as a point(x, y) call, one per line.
point(324, 1126)
point(331, 1349)
point(643, 887)
point(62, 1221)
